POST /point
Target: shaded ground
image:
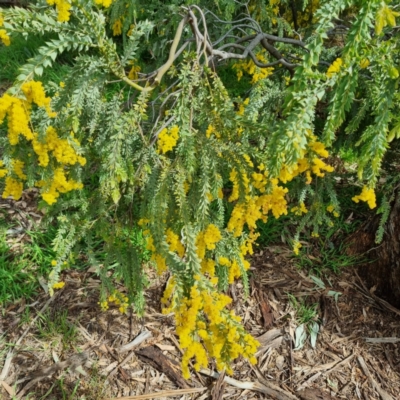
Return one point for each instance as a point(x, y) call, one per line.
point(66, 348)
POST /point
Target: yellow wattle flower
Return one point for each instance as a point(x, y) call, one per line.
point(4, 37)
point(63, 8)
point(167, 139)
point(334, 68)
point(367, 195)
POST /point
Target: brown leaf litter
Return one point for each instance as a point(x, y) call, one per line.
point(128, 357)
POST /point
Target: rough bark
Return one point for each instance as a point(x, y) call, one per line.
point(382, 269)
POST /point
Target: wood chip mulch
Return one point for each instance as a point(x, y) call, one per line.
point(125, 356)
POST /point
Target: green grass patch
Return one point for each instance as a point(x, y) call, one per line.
point(55, 328)
point(15, 56)
point(20, 269)
point(326, 258)
point(275, 230)
point(305, 313)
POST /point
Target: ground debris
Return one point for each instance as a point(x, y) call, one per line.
point(356, 326)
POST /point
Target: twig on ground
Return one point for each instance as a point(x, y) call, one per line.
point(153, 355)
point(382, 340)
point(329, 368)
point(10, 355)
point(74, 363)
point(275, 392)
point(166, 393)
point(135, 342)
point(382, 393)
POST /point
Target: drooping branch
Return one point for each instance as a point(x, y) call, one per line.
point(167, 65)
point(240, 48)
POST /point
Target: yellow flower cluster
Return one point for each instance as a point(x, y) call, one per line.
point(364, 63)
point(133, 73)
point(212, 131)
point(275, 201)
point(207, 239)
point(203, 323)
point(309, 163)
point(167, 139)
point(63, 8)
point(300, 209)
point(104, 305)
point(104, 3)
point(34, 93)
point(250, 68)
point(242, 106)
point(18, 168)
point(3, 33)
point(303, 16)
point(234, 178)
point(275, 5)
point(3, 171)
point(118, 299)
point(296, 247)
point(157, 258)
point(175, 245)
point(59, 285)
point(367, 195)
point(59, 184)
point(65, 154)
point(248, 212)
point(4, 37)
point(17, 111)
point(13, 188)
point(257, 207)
point(319, 166)
point(208, 267)
point(334, 68)
point(117, 27)
point(331, 209)
point(168, 292)
point(233, 267)
point(61, 149)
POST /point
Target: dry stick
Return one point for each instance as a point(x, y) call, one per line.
point(166, 66)
point(382, 340)
point(255, 386)
point(74, 363)
point(138, 340)
point(10, 355)
point(271, 385)
point(382, 393)
point(166, 393)
point(315, 376)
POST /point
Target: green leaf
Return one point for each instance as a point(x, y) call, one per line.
point(38, 70)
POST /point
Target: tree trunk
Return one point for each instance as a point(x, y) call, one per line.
point(382, 268)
